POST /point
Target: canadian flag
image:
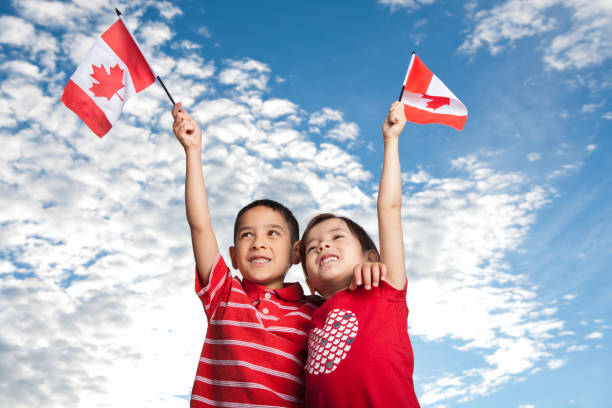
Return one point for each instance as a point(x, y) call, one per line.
point(113, 71)
point(427, 100)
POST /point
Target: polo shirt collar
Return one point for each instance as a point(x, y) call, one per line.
point(291, 292)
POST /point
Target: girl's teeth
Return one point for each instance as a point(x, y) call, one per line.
point(328, 260)
point(260, 260)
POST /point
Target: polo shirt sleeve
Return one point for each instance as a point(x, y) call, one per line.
point(218, 288)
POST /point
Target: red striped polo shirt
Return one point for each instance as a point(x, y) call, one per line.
point(256, 343)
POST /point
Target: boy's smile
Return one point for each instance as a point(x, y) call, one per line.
point(263, 251)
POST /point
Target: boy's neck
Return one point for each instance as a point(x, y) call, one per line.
point(277, 284)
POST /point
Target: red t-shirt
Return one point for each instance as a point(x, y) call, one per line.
point(255, 347)
point(359, 352)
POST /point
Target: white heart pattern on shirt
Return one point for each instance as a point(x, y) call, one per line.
point(329, 345)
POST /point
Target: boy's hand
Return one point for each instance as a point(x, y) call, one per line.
point(394, 122)
point(368, 274)
point(186, 129)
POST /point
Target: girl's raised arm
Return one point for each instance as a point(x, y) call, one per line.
point(390, 200)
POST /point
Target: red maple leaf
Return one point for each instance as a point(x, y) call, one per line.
point(108, 84)
point(436, 101)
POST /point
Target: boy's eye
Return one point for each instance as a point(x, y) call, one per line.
point(273, 232)
point(246, 234)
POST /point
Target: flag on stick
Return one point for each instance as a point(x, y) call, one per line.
point(113, 70)
point(427, 100)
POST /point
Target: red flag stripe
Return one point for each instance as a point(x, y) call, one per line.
point(121, 42)
point(418, 78)
point(80, 103)
point(422, 116)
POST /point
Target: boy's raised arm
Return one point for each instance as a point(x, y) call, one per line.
point(203, 240)
point(390, 200)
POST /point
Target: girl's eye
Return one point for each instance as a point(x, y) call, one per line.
point(338, 236)
point(310, 249)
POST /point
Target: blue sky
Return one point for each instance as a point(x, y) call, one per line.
point(507, 224)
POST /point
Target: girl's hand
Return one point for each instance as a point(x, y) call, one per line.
point(368, 274)
point(394, 122)
point(186, 129)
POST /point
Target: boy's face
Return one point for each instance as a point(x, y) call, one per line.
point(263, 251)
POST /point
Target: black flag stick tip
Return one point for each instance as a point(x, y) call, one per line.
point(165, 89)
point(402, 90)
point(118, 12)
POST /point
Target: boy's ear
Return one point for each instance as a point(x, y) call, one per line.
point(372, 256)
point(232, 251)
point(295, 257)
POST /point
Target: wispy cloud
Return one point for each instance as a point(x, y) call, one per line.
point(406, 4)
point(587, 41)
point(594, 335)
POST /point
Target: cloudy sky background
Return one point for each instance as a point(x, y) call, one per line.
point(507, 224)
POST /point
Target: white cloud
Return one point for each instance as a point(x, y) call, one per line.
point(245, 73)
point(409, 4)
point(591, 107)
point(275, 107)
point(344, 131)
point(555, 364)
point(154, 34)
point(526, 406)
point(532, 157)
point(594, 335)
point(564, 170)
point(607, 115)
point(591, 147)
point(204, 31)
point(574, 348)
point(167, 9)
point(587, 41)
point(324, 116)
point(509, 22)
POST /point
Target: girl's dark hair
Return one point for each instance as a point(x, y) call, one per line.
point(356, 229)
point(294, 229)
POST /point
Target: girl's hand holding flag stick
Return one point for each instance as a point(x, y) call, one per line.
point(427, 100)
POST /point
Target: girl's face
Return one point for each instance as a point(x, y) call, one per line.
point(332, 252)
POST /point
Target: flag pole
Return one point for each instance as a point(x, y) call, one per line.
point(402, 91)
point(158, 78)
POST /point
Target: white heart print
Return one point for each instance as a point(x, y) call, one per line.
point(329, 345)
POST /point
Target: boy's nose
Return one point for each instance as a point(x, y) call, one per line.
point(323, 246)
point(257, 244)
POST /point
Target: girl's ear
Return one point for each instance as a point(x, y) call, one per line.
point(295, 258)
point(232, 251)
point(372, 256)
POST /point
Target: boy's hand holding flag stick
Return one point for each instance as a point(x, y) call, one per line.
point(427, 100)
point(113, 70)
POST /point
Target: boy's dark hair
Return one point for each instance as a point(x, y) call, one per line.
point(294, 229)
point(356, 229)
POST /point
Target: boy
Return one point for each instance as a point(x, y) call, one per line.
point(255, 346)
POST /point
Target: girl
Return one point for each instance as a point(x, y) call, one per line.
point(359, 352)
